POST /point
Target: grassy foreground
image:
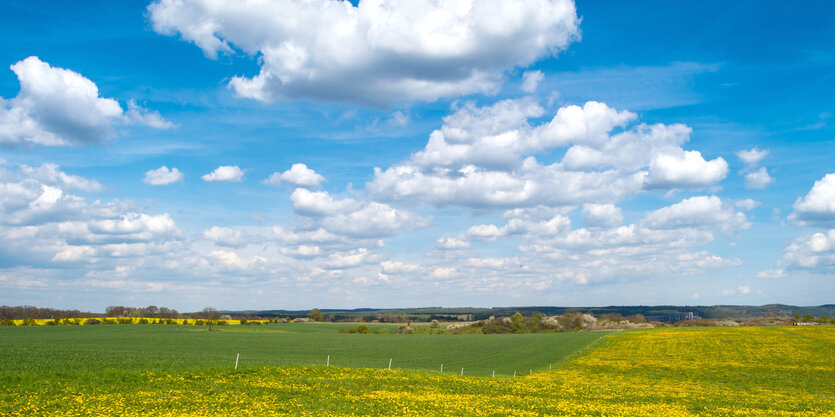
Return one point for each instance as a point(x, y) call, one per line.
point(38, 354)
point(755, 371)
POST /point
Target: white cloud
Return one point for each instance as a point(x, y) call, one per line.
point(51, 174)
point(752, 157)
point(359, 54)
point(59, 107)
point(815, 253)
point(700, 211)
point(531, 80)
point(486, 232)
point(744, 289)
point(138, 114)
point(603, 215)
point(349, 217)
point(443, 273)
point(319, 203)
point(225, 173)
point(298, 174)
point(163, 176)
point(303, 251)
point(225, 236)
point(397, 267)
point(818, 206)
point(372, 221)
point(492, 263)
point(452, 243)
point(484, 158)
point(688, 169)
point(350, 259)
point(747, 204)
point(772, 274)
point(758, 179)
point(754, 178)
point(45, 224)
point(232, 261)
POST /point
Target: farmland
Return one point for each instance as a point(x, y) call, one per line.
point(177, 370)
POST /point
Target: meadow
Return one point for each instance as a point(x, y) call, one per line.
point(759, 371)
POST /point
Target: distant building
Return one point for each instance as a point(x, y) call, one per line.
point(672, 317)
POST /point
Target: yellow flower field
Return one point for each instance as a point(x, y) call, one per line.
point(745, 371)
point(124, 320)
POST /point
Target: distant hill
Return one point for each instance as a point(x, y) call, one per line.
point(670, 312)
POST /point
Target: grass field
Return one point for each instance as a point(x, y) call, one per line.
point(83, 352)
point(757, 371)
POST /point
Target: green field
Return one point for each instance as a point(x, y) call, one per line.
point(84, 352)
point(161, 370)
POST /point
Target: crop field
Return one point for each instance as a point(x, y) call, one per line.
point(161, 370)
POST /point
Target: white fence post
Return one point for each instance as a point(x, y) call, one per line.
point(236, 361)
point(328, 363)
point(389, 364)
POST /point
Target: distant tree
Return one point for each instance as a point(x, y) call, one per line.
point(150, 311)
point(211, 315)
point(316, 315)
point(115, 311)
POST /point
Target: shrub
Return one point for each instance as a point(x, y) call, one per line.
point(435, 324)
point(92, 321)
point(143, 321)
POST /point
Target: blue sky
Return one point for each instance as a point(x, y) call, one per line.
point(414, 154)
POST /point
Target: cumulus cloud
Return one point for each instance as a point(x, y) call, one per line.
point(225, 236)
point(818, 206)
point(225, 173)
point(758, 179)
point(484, 157)
point(772, 274)
point(46, 224)
point(660, 243)
point(531, 80)
point(815, 253)
point(741, 290)
point(755, 178)
point(687, 169)
point(138, 114)
point(397, 267)
point(350, 259)
point(163, 176)
point(360, 219)
point(60, 107)
point(697, 211)
point(602, 215)
point(320, 203)
point(299, 175)
point(448, 243)
point(747, 204)
point(51, 174)
point(357, 54)
point(752, 156)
